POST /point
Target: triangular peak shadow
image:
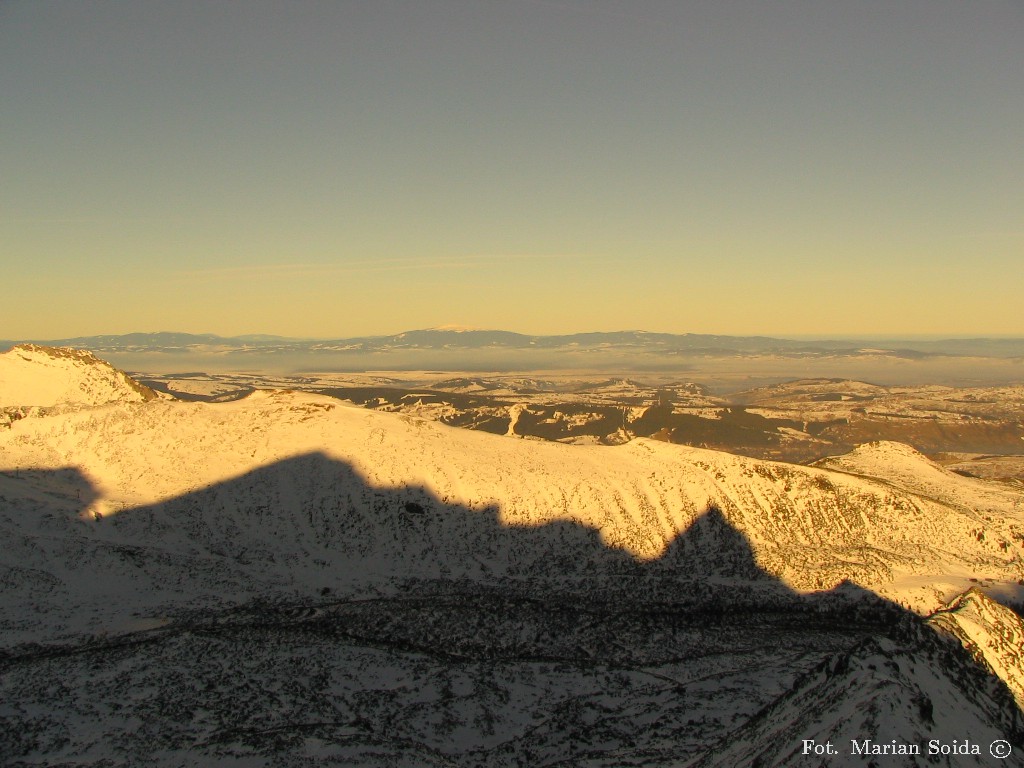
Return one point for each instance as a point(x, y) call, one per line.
point(315, 514)
point(313, 522)
point(306, 553)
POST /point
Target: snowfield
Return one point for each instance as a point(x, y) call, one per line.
point(287, 579)
point(31, 375)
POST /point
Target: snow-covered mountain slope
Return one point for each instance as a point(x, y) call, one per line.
point(310, 480)
point(883, 702)
point(906, 468)
point(32, 375)
point(288, 579)
point(992, 632)
point(810, 527)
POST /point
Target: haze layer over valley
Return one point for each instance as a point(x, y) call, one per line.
point(959, 401)
point(722, 363)
point(284, 576)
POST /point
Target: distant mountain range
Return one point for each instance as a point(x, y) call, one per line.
point(438, 339)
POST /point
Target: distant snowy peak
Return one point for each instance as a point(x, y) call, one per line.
point(897, 463)
point(906, 468)
point(882, 458)
point(455, 328)
point(34, 375)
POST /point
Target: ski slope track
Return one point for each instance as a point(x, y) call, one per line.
point(287, 579)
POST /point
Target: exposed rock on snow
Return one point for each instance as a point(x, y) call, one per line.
point(992, 632)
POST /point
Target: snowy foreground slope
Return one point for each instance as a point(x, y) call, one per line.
point(31, 375)
point(289, 580)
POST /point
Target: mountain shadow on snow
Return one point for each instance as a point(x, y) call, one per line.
point(304, 616)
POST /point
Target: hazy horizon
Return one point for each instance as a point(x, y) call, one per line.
point(724, 363)
point(806, 337)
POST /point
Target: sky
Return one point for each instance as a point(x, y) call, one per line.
point(332, 169)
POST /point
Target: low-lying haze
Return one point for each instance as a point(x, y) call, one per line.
point(723, 363)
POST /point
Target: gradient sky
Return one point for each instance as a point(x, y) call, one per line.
point(340, 168)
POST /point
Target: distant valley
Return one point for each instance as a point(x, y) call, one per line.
point(790, 400)
point(798, 421)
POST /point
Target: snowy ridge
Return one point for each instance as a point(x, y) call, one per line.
point(32, 375)
point(909, 470)
point(319, 582)
point(992, 632)
point(889, 693)
point(811, 527)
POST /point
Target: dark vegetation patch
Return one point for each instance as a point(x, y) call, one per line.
point(555, 422)
point(375, 397)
